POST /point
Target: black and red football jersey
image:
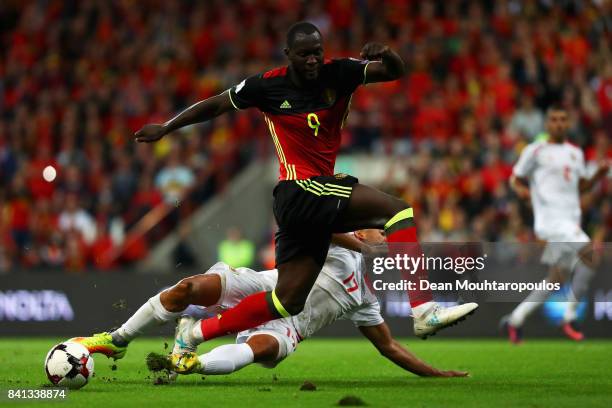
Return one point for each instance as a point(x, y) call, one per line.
point(305, 124)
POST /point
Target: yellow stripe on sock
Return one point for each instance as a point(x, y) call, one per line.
point(279, 306)
point(402, 215)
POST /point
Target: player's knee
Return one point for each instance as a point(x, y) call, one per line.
point(177, 298)
point(395, 206)
point(265, 348)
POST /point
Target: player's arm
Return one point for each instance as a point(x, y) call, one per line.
point(380, 336)
point(523, 168)
point(587, 184)
point(385, 64)
point(520, 186)
point(196, 113)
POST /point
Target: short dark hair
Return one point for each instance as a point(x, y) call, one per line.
point(556, 106)
point(302, 27)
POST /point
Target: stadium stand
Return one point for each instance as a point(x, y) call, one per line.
point(480, 78)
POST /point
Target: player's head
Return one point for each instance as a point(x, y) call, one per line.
point(305, 50)
point(557, 123)
point(371, 236)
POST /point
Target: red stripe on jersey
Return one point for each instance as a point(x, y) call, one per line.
point(280, 71)
point(307, 143)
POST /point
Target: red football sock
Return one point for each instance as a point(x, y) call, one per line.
point(252, 311)
point(401, 230)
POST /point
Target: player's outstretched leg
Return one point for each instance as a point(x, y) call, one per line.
point(512, 324)
point(102, 343)
point(222, 360)
point(203, 290)
point(371, 208)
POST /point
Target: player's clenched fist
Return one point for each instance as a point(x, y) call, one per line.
point(373, 51)
point(150, 133)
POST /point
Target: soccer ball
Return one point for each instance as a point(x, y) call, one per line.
point(69, 365)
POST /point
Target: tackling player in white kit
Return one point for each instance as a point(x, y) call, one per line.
point(340, 292)
point(552, 173)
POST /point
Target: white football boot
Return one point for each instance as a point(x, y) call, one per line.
point(438, 317)
point(184, 341)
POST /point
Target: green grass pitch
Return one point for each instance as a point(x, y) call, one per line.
point(539, 373)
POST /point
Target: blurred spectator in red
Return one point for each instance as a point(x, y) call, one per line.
point(53, 252)
point(76, 252)
point(101, 250)
point(18, 214)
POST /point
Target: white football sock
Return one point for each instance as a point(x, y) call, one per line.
point(226, 359)
point(580, 284)
point(527, 306)
point(570, 311)
point(150, 314)
point(196, 332)
point(422, 309)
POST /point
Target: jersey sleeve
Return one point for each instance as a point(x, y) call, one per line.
point(351, 73)
point(248, 93)
point(526, 162)
point(367, 315)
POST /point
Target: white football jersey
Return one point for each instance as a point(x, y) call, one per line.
point(554, 171)
point(340, 292)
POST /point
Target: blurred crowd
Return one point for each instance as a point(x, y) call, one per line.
point(77, 78)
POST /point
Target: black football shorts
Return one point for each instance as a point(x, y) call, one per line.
point(307, 213)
